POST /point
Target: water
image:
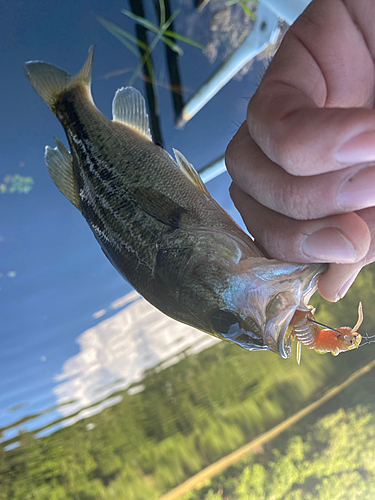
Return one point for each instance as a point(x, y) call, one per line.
point(101, 395)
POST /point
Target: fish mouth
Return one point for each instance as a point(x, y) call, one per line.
point(282, 307)
point(247, 340)
point(267, 297)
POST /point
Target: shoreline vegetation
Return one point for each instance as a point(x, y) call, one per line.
point(256, 445)
point(192, 414)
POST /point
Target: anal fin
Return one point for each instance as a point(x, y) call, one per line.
point(60, 168)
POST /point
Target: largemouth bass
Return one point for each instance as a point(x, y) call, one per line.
point(160, 228)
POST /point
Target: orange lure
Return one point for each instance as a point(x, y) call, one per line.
point(325, 340)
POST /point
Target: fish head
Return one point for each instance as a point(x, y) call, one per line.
point(247, 300)
point(266, 295)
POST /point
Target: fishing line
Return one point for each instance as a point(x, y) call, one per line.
point(324, 326)
point(369, 340)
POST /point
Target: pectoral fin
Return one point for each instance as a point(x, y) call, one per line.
point(129, 108)
point(59, 165)
point(188, 169)
point(159, 206)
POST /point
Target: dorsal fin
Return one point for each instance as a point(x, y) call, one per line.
point(188, 169)
point(59, 165)
point(129, 107)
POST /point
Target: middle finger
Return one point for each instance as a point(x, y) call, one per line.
point(304, 197)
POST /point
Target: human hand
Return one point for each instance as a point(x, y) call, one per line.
point(303, 162)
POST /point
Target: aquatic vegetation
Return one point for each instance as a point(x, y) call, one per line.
point(168, 35)
point(130, 41)
point(161, 33)
point(140, 46)
point(8, 274)
point(244, 5)
point(16, 184)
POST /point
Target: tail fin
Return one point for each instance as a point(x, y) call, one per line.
point(50, 81)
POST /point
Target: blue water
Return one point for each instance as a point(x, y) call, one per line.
point(62, 277)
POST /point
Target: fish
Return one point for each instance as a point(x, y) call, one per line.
point(160, 228)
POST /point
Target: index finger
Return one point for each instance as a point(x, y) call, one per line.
point(312, 112)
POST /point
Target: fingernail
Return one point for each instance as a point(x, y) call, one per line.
point(329, 245)
point(345, 287)
point(358, 149)
point(358, 191)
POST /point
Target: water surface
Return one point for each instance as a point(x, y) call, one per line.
point(101, 395)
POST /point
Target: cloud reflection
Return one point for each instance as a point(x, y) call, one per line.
point(115, 353)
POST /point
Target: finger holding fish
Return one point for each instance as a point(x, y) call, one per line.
point(307, 149)
point(299, 197)
point(270, 187)
point(282, 237)
point(342, 238)
point(313, 110)
point(336, 281)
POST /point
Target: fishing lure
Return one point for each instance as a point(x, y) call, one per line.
point(327, 339)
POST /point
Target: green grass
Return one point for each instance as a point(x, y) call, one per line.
point(160, 32)
point(245, 6)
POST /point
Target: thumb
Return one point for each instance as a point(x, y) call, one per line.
point(307, 140)
point(312, 112)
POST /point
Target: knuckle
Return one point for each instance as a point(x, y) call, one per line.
point(294, 202)
point(287, 152)
point(236, 155)
point(233, 193)
point(290, 200)
point(230, 153)
point(274, 241)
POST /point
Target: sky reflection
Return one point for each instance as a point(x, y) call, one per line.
point(115, 353)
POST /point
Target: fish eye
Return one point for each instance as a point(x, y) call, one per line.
point(225, 322)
